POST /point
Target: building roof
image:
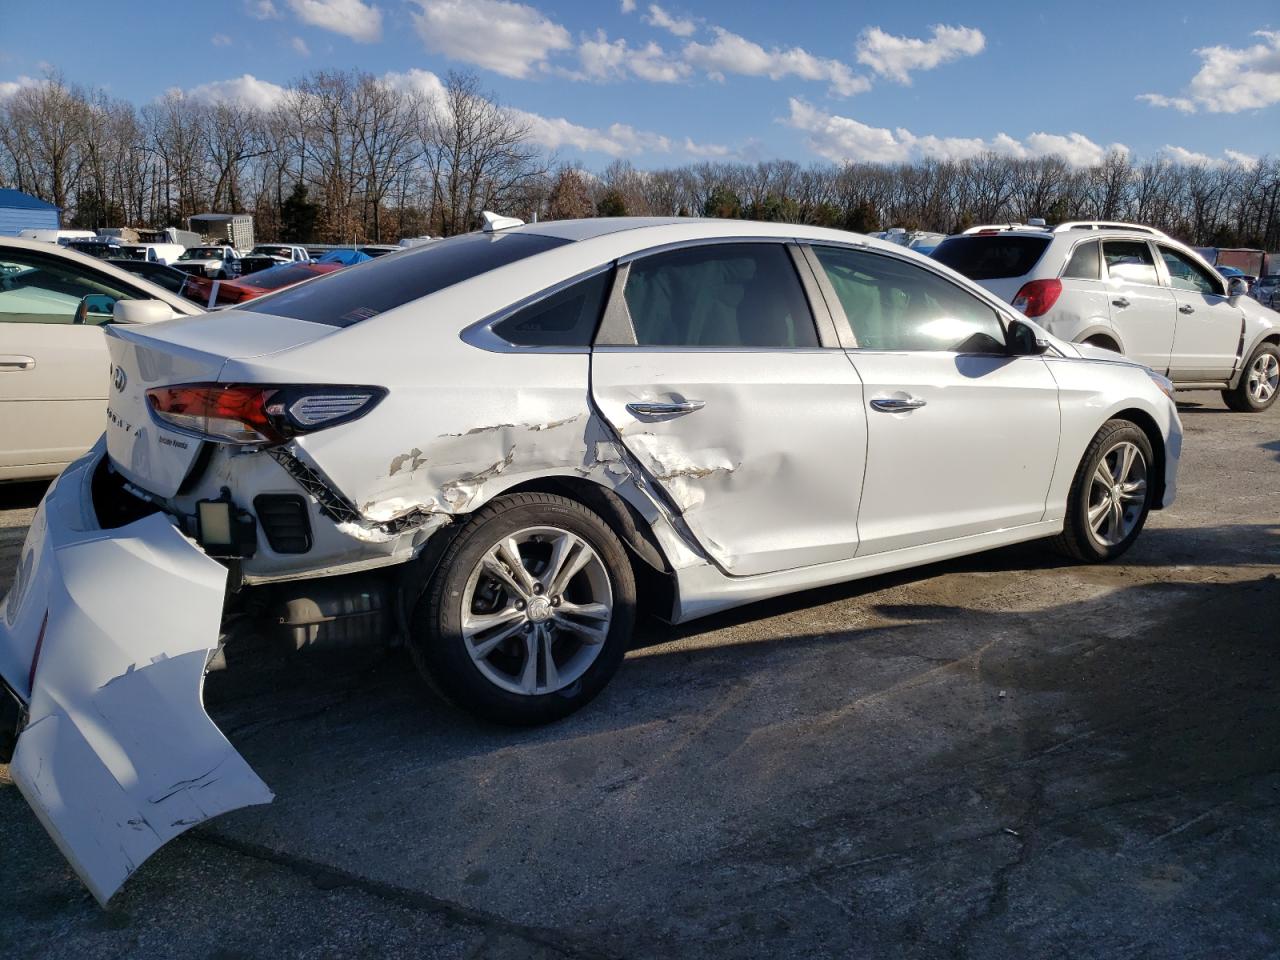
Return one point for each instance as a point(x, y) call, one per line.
point(17, 200)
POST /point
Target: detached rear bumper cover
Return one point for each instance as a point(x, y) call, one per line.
point(118, 755)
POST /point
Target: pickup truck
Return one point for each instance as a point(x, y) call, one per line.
point(217, 262)
point(266, 255)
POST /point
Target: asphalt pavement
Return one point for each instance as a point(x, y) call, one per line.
point(1002, 756)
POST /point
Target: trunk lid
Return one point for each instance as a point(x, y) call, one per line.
point(156, 456)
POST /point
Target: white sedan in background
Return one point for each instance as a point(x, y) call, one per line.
point(54, 370)
point(522, 436)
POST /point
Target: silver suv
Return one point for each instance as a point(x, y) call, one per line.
point(1134, 290)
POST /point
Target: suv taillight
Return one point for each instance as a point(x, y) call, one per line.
point(258, 413)
point(1037, 297)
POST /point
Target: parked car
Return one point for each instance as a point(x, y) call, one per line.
point(102, 248)
point(1267, 291)
point(60, 237)
point(266, 255)
point(164, 253)
point(504, 435)
point(224, 292)
point(53, 356)
point(210, 261)
point(1134, 290)
point(171, 278)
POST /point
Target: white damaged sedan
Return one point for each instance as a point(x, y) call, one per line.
point(495, 449)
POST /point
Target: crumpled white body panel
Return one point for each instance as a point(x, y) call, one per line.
point(118, 755)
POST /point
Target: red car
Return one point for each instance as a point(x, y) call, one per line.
point(200, 289)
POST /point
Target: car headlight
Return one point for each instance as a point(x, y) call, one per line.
point(1162, 382)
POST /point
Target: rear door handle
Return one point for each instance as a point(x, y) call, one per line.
point(1186, 308)
point(1120, 302)
point(13, 363)
point(672, 408)
point(897, 404)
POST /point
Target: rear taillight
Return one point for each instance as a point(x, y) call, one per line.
point(1037, 298)
point(258, 413)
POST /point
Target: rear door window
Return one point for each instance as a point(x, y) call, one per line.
point(894, 305)
point(720, 295)
point(350, 295)
point(996, 257)
point(1130, 260)
point(1085, 262)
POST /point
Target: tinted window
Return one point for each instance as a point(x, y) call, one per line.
point(564, 319)
point(172, 280)
point(36, 289)
point(357, 293)
point(281, 276)
point(1084, 263)
point(893, 305)
point(722, 295)
point(1130, 260)
point(1186, 274)
point(991, 258)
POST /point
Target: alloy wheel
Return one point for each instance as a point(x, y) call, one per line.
point(1264, 378)
point(536, 610)
point(1117, 493)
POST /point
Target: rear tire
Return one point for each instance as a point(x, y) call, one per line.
point(532, 644)
point(1259, 383)
point(1110, 495)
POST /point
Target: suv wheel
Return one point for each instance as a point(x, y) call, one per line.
point(1259, 383)
point(530, 612)
point(1110, 495)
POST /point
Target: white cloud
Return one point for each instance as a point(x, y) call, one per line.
point(509, 38)
point(628, 6)
point(616, 140)
point(602, 59)
point(1194, 158)
point(300, 46)
point(841, 139)
point(220, 40)
point(897, 57)
point(1231, 79)
point(246, 90)
point(421, 81)
point(680, 26)
point(9, 87)
point(261, 9)
point(356, 19)
point(730, 53)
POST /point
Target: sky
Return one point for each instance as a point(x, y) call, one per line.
point(680, 81)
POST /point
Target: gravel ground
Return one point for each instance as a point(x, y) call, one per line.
point(1004, 756)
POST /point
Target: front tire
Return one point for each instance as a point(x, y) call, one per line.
point(530, 612)
point(1110, 494)
point(1258, 384)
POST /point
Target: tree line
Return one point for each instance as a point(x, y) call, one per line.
point(344, 156)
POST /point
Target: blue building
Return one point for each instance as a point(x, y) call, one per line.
point(20, 211)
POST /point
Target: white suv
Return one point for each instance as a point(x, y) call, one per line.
point(1134, 290)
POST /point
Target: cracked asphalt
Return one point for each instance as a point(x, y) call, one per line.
point(1004, 756)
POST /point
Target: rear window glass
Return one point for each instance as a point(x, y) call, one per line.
point(357, 293)
point(277, 277)
point(991, 258)
point(564, 319)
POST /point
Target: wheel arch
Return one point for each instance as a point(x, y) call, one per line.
point(1101, 331)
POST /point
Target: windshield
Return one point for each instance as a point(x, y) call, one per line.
point(133, 253)
point(273, 251)
point(991, 258)
point(359, 292)
point(202, 253)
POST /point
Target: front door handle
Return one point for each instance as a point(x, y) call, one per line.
point(1120, 302)
point(665, 408)
point(896, 404)
point(14, 363)
point(1186, 308)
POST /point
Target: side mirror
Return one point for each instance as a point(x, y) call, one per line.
point(1237, 287)
point(95, 309)
point(1024, 340)
point(142, 311)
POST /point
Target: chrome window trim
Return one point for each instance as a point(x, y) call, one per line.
point(481, 333)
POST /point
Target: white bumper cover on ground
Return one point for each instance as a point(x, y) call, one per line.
point(118, 755)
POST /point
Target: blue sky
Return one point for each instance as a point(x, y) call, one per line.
point(680, 80)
